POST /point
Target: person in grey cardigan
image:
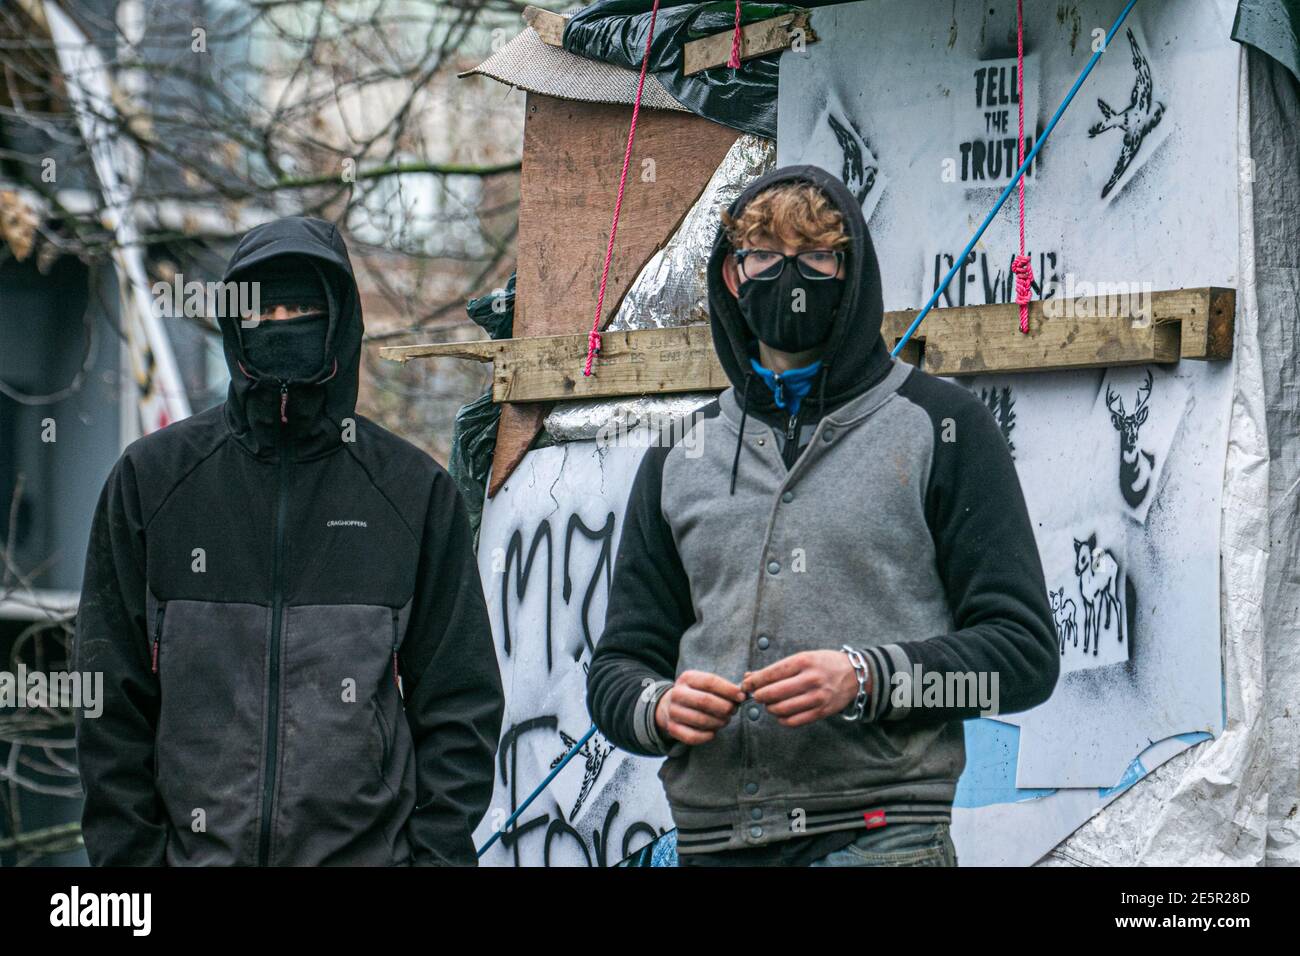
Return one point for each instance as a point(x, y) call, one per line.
point(806, 606)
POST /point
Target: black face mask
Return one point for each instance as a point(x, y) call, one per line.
point(790, 313)
point(289, 350)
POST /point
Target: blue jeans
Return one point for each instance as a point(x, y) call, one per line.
point(897, 844)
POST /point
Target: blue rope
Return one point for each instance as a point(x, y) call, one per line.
point(538, 792)
point(1006, 193)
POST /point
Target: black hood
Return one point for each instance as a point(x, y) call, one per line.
point(855, 356)
point(313, 408)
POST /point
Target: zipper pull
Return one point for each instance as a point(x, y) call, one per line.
point(791, 428)
point(284, 403)
point(157, 638)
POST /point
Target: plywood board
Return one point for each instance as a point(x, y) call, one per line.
point(516, 428)
point(573, 157)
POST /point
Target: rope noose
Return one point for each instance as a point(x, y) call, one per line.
point(1021, 266)
point(734, 61)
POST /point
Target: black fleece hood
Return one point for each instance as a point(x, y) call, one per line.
point(308, 414)
point(855, 354)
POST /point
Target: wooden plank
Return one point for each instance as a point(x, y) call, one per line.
point(644, 362)
point(756, 39)
point(483, 350)
point(549, 25)
point(516, 430)
point(970, 340)
point(977, 340)
point(1089, 332)
point(1208, 321)
point(572, 159)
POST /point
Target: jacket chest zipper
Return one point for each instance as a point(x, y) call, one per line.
point(790, 453)
point(277, 612)
point(157, 637)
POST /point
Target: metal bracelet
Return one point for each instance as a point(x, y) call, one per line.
point(860, 669)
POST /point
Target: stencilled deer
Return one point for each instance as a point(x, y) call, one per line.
point(1098, 574)
point(1135, 465)
point(1065, 615)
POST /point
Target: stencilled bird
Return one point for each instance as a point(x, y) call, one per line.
point(1142, 116)
point(595, 751)
point(859, 174)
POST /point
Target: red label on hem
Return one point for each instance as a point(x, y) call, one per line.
point(874, 818)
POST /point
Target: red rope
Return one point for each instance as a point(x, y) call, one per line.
point(734, 62)
point(593, 340)
point(1021, 267)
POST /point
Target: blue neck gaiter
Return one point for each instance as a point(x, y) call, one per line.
point(788, 388)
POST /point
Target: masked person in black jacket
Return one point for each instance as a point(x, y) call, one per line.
point(826, 575)
point(283, 600)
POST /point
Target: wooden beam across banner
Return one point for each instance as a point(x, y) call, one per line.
point(549, 367)
point(1090, 332)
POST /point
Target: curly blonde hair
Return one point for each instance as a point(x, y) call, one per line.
point(799, 214)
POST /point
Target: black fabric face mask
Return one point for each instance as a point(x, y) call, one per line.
point(287, 349)
point(771, 309)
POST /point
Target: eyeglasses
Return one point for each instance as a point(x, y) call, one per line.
point(764, 265)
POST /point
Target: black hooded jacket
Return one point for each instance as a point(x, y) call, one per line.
point(284, 602)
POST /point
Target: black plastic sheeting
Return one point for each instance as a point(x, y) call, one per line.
point(474, 436)
point(614, 31)
point(1272, 27)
